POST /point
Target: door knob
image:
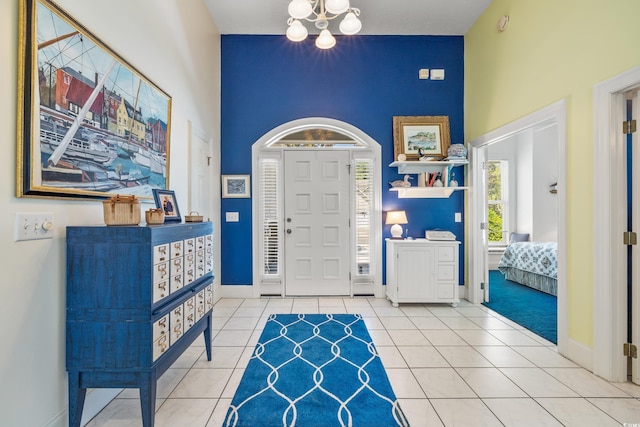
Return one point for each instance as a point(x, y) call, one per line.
point(288, 219)
point(288, 231)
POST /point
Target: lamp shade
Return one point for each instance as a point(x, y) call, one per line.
point(396, 217)
point(350, 25)
point(325, 40)
point(336, 6)
point(296, 31)
point(300, 9)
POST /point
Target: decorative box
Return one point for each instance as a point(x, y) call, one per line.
point(121, 210)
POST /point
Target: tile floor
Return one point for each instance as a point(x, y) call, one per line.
point(463, 366)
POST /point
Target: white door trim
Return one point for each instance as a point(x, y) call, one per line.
point(556, 112)
point(609, 221)
point(369, 146)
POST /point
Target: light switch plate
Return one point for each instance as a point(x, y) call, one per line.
point(232, 216)
point(33, 226)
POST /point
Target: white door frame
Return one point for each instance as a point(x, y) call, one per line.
point(609, 222)
point(556, 112)
point(369, 145)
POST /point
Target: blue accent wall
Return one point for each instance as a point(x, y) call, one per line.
point(365, 81)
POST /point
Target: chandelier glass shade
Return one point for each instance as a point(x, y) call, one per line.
point(320, 12)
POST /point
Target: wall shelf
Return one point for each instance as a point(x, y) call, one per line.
point(425, 192)
point(419, 167)
point(416, 167)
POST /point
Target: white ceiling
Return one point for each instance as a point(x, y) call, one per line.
point(397, 17)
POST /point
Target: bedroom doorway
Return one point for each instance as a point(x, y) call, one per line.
point(547, 123)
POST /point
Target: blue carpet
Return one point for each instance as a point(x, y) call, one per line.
point(531, 308)
point(315, 370)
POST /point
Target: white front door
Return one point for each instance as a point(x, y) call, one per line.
point(316, 212)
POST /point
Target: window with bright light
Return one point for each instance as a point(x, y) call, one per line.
point(497, 192)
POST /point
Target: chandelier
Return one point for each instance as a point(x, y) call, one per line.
point(320, 12)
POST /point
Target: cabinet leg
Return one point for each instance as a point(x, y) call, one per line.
point(395, 304)
point(454, 304)
point(207, 337)
point(148, 399)
point(77, 395)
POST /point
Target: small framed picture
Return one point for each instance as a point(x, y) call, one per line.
point(166, 200)
point(414, 136)
point(236, 186)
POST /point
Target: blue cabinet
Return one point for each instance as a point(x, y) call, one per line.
point(137, 297)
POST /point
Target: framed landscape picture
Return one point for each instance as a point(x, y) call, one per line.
point(89, 124)
point(236, 186)
point(415, 135)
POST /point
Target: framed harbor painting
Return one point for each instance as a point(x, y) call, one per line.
point(416, 136)
point(89, 124)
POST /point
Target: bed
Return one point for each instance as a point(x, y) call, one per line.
point(533, 264)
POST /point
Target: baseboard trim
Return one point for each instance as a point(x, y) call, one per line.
point(237, 291)
point(580, 354)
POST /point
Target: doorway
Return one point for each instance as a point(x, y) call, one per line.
point(311, 147)
point(316, 208)
point(610, 222)
point(551, 117)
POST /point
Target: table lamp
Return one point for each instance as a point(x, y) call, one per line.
point(396, 218)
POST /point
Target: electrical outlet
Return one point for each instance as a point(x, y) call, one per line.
point(34, 226)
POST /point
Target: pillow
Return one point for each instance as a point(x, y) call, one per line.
point(519, 237)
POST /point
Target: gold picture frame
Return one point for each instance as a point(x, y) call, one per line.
point(89, 124)
point(413, 135)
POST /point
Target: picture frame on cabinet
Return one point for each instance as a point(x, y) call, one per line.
point(166, 200)
point(89, 125)
point(414, 136)
point(237, 186)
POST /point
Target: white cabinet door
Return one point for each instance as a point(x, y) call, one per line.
point(416, 272)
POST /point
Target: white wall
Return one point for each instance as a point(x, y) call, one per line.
point(178, 49)
point(545, 170)
point(533, 167)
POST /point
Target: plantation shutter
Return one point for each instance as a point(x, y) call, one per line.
point(270, 217)
point(363, 214)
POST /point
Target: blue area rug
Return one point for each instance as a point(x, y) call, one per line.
point(315, 370)
point(531, 308)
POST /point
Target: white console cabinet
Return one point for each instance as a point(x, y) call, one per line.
point(422, 271)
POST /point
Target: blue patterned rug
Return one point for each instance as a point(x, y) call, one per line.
point(315, 370)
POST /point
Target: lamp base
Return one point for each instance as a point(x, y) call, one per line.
point(396, 231)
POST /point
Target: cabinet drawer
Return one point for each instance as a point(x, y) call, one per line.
point(160, 346)
point(160, 290)
point(208, 298)
point(200, 243)
point(176, 320)
point(447, 253)
point(161, 271)
point(161, 253)
point(446, 290)
point(446, 272)
point(177, 249)
point(189, 313)
point(200, 263)
point(209, 240)
point(200, 305)
point(161, 327)
point(189, 246)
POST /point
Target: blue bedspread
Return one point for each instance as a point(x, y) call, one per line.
point(533, 257)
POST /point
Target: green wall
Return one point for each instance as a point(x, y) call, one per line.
point(553, 50)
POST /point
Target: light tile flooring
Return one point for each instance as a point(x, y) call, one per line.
point(463, 366)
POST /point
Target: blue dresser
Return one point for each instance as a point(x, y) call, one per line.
point(137, 297)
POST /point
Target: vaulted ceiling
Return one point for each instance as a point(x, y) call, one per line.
point(396, 17)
